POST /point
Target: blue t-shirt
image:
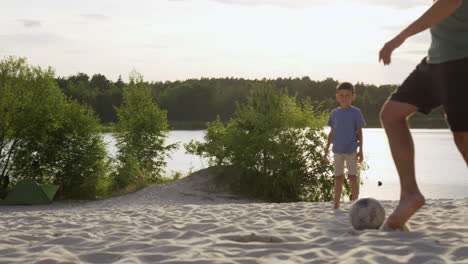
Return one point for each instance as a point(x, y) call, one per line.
point(345, 122)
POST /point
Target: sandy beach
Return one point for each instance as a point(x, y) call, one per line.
point(194, 221)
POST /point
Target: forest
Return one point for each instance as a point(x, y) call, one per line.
point(193, 102)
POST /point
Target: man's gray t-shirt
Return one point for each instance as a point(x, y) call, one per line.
point(345, 122)
point(450, 37)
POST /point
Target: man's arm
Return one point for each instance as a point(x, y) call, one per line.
point(329, 140)
point(440, 10)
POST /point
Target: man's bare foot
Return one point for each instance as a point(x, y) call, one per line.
point(385, 227)
point(406, 208)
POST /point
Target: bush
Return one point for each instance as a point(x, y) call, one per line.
point(140, 136)
point(85, 166)
point(276, 144)
point(46, 137)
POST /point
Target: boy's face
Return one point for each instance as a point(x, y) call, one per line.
point(344, 97)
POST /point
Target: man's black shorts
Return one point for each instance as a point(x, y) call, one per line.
point(432, 85)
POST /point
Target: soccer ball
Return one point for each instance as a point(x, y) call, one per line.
point(367, 213)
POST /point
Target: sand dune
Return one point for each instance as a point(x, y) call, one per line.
point(194, 221)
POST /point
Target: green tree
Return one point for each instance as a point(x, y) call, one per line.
point(141, 134)
point(276, 145)
point(44, 136)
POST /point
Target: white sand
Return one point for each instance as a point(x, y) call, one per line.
point(191, 221)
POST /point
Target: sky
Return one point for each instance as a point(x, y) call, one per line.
point(169, 40)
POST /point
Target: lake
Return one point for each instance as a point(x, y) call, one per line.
point(440, 169)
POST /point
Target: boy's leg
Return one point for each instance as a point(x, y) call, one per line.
point(354, 187)
point(339, 180)
point(338, 162)
point(393, 117)
point(352, 164)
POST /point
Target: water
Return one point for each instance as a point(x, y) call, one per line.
point(440, 169)
point(180, 162)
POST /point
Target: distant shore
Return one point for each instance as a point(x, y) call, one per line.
point(418, 121)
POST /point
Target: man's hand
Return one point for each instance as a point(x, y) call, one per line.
point(385, 54)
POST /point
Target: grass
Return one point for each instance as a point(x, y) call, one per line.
point(107, 128)
point(141, 184)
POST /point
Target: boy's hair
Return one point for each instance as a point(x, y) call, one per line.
point(345, 86)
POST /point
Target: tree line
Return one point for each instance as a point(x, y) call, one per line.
point(193, 102)
point(266, 135)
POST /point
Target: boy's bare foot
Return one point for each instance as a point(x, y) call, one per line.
point(408, 205)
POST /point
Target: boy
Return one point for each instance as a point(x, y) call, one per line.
point(440, 79)
point(346, 122)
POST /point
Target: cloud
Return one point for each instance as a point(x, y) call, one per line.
point(32, 39)
point(157, 46)
point(415, 52)
point(415, 46)
point(393, 29)
point(74, 51)
point(422, 37)
point(279, 3)
point(397, 4)
point(97, 17)
point(30, 22)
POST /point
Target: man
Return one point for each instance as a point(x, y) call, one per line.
point(440, 79)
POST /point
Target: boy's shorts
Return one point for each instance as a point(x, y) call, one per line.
point(339, 163)
point(432, 85)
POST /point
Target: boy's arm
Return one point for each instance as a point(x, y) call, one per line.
point(329, 140)
point(440, 10)
point(360, 154)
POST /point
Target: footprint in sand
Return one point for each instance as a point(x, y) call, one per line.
point(254, 238)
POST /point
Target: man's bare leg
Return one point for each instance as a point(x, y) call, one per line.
point(394, 119)
point(339, 180)
point(354, 187)
point(461, 140)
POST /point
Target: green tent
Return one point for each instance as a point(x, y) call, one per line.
point(29, 192)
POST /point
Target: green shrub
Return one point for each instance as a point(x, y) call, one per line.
point(140, 135)
point(276, 144)
point(45, 136)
